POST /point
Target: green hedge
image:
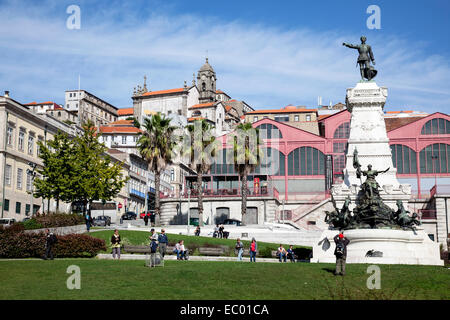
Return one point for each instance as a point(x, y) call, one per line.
point(53, 220)
point(17, 244)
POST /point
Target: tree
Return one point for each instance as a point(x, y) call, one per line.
point(201, 149)
point(247, 155)
point(95, 177)
point(155, 145)
point(55, 178)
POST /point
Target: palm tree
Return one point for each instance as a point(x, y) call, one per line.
point(155, 145)
point(247, 156)
point(201, 149)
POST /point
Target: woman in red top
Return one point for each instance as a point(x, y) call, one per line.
point(253, 250)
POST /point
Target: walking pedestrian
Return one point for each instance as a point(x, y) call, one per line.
point(341, 253)
point(88, 221)
point(240, 249)
point(163, 242)
point(253, 250)
point(146, 219)
point(115, 243)
point(50, 240)
point(197, 231)
point(221, 231)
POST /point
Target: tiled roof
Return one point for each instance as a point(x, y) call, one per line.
point(119, 129)
point(323, 116)
point(122, 122)
point(152, 93)
point(195, 118)
point(202, 105)
point(125, 112)
point(284, 110)
point(394, 123)
point(35, 103)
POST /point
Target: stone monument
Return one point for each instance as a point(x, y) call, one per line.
point(372, 212)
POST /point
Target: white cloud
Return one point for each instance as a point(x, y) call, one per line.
point(265, 66)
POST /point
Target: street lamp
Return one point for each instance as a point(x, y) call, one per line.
point(189, 210)
point(32, 174)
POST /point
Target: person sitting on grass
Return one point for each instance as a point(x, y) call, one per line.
point(281, 253)
point(291, 254)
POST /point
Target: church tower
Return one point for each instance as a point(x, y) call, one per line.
point(206, 83)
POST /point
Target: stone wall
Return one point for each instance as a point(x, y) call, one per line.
point(62, 230)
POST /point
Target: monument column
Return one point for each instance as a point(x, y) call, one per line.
point(369, 137)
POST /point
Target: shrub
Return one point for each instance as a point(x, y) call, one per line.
point(32, 224)
point(29, 245)
point(54, 220)
point(266, 252)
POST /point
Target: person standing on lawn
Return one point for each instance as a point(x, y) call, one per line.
point(115, 243)
point(153, 235)
point(163, 242)
point(253, 250)
point(239, 248)
point(50, 240)
point(153, 248)
point(341, 253)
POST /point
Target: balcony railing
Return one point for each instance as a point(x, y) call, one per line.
point(427, 214)
point(234, 192)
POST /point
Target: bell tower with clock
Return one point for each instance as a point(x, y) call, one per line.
point(206, 83)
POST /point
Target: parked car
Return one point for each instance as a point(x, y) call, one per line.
point(232, 222)
point(102, 221)
point(129, 215)
point(6, 222)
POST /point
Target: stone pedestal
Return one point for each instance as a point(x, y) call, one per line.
point(397, 246)
point(368, 135)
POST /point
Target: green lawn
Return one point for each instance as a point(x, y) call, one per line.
point(141, 238)
point(178, 280)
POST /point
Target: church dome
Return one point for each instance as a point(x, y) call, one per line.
point(207, 67)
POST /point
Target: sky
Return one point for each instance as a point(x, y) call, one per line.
point(268, 53)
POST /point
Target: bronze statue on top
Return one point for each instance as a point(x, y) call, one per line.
point(364, 58)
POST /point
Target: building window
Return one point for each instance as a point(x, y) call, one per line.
point(30, 144)
point(339, 147)
point(338, 163)
point(296, 118)
point(10, 136)
point(306, 161)
point(19, 178)
point(18, 205)
point(269, 131)
point(41, 139)
point(255, 118)
point(135, 138)
point(404, 159)
point(308, 117)
point(436, 126)
point(21, 139)
point(435, 158)
point(124, 139)
point(172, 174)
point(272, 163)
point(8, 175)
point(29, 181)
point(281, 118)
point(6, 206)
point(343, 131)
